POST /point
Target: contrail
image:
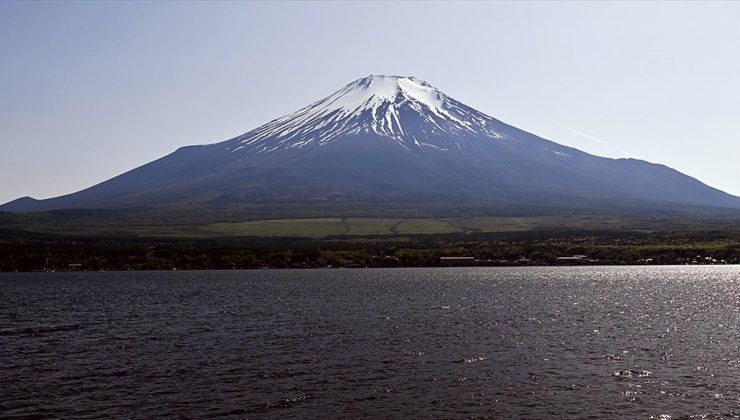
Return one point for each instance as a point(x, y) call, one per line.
point(585, 135)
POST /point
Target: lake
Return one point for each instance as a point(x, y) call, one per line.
point(575, 342)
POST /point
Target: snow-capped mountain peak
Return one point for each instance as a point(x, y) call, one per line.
point(403, 109)
point(382, 143)
point(374, 91)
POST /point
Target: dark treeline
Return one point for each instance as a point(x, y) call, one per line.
point(21, 251)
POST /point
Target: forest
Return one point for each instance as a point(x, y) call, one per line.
point(24, 251)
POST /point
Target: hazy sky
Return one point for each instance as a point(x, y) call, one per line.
point(89, 90)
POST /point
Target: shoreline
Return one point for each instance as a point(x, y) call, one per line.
point(367, 268)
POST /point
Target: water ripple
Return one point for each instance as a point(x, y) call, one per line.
point(582, 342)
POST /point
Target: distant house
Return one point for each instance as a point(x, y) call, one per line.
point(575, 259)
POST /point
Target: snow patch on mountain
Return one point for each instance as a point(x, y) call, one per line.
point(404, 109)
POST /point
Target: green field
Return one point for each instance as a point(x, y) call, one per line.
point(497, 224)
point(203, 224)
point(323, 227)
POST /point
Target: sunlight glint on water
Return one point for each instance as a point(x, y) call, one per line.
point(529, 342)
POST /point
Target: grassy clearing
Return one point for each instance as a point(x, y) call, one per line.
point(368, 226)
point(425, 226)
point(496, 224)
point(323, 227)
point(282, 227)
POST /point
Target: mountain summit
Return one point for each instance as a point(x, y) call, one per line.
point(382, 141)
point(404, 109)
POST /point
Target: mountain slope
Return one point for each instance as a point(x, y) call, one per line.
point(388, 139)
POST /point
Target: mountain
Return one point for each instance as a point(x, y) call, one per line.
point(388, 140)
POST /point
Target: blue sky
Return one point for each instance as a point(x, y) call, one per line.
point(89, 90)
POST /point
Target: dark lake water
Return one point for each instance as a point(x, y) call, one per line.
point(588, 342)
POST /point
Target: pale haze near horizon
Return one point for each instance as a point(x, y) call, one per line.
point(91, 90)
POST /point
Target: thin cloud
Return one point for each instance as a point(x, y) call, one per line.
point(582, 134)
point(615, 153)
